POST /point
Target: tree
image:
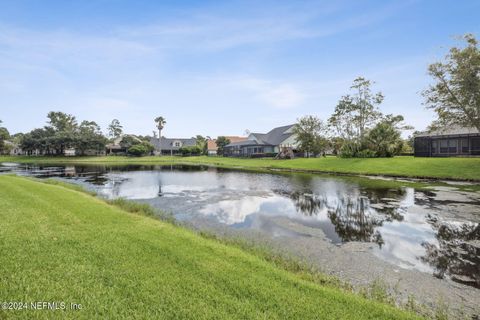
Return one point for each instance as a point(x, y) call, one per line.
point(38, 139)
point(455, 96)
point(161, 122)
point(62, 122)
point(221, 143)
point(89, 137)
point(384, 139)
point(309, 132)
point(4, 135)
point(201, 143)
point(63, 132)
point(356, 113)
point(64, 127)
point(115, 129)
point(129, 141)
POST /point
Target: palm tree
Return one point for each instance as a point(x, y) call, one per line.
point(160, 121)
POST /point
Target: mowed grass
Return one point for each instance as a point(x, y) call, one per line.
point(437, 168)
point(62, 245)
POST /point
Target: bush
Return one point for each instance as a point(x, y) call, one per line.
point(141, 149)
point(349, 149)
point(366, 153)
point(190, 151)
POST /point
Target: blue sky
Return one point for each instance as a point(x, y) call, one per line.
point(217, 67)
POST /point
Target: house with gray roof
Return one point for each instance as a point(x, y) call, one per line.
point(264, 144)
point(447, 142)
point(116, 147)
point(171, 146)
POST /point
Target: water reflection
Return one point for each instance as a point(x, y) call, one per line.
point(456, 253)
point(406, 227)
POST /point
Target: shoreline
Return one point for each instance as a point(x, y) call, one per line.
point(375, 167)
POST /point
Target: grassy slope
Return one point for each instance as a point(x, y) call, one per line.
point(58, 244)
point(452, 168)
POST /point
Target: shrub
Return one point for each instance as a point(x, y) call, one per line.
point(190, 151)
point(349, 149)
point(141, 149)
point(366, 153)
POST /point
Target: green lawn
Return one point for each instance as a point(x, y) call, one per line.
point(444, 168)
point(63, 245)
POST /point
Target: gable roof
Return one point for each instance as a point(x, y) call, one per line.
point(278, 135)
point(168, 143)
point(274, 137)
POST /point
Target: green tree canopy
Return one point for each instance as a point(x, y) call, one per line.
point(357, 112)
point(455, 95)
point(4, 135)
point(115, 129)
point(63, 132)
point(310, 134)
point(201, 143)
point(89, 137)
point(140, 149)
point(62, 122)
point(385, 138)
point(221, 142)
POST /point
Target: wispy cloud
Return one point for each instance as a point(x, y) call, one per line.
point(206, 62)
point(276, 94)
point(218, 32)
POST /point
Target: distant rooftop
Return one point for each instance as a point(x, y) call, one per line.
point(169, 143)
point(212, 145)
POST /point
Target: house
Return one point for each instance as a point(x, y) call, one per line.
point(264, 144)
point(448, 142)
point(171, 146)
point(13, 149)
point(71, 152)
point(212, 144)
point(119, 148)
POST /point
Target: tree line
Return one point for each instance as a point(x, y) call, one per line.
point(357, 127)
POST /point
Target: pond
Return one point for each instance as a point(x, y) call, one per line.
point(434, 229)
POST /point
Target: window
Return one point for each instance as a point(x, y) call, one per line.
point(434, 146)
point(177, 144)
point(464, 146)
point(443, 146)
point(452, 145)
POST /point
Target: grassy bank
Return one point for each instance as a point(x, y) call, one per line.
point(63, 245)
point(436, 168)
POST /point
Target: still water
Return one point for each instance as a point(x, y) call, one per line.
point(432, 229)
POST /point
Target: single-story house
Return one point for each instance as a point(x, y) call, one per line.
point(117, 148)
point(264, 144)
point(171, 146)
point(212, 144)
point(448, 142)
